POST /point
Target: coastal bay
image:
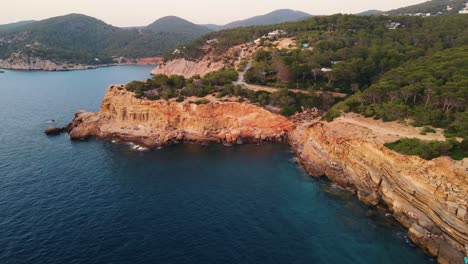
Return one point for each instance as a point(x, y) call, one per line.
point(101, 202)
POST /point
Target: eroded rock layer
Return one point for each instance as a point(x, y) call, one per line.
point(428, 197)
point(155, 123)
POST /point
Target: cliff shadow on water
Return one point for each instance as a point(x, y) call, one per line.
point(255, 183)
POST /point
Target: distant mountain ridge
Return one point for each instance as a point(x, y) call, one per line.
point(178, 25)
point(371, 12)
point(275, 17)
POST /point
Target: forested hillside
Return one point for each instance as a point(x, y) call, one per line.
point(431, 91)
point(355, 50)
point(80, 39)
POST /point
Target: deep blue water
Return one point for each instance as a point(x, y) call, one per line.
point(98, 202)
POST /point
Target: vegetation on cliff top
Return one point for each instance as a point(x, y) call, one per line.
point(430, 149)
point(220, 85)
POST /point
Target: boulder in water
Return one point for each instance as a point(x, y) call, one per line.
point(51, 131)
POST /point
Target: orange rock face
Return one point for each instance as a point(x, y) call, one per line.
point(155, 123)
point(208, 63)
point(428, 197)
point(188, 68)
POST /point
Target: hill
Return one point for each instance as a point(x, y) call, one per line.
point(177, 25)
point(371, 12)
point(275, 17)
point(15, 25)
point(77, 38)
point(213, 27)
point(433, 7)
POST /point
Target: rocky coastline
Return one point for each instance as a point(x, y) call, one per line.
point(427, 197)
point(25, 63)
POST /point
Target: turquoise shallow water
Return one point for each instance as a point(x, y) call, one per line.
point(98, 202)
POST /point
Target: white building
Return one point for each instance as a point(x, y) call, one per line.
point(393, 25)
point(464, 10)
point(277, 33)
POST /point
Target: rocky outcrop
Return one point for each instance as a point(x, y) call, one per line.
point(188, 68)
point(155, 123)
point(428, 197)
point(210, 61)
point(52, 131)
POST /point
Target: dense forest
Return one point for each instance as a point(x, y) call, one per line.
point(431, 91)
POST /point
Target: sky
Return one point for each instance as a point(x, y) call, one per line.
point(143, 12)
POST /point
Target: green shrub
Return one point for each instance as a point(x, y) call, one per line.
point(202, 101)
point(159, 80)
point(428, 130)
point(176, 81)
point(332, 114)
point(135, 85)
point(429, 149)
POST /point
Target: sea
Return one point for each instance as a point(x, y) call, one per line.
point(91, 201)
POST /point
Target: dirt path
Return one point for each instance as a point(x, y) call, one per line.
point(241, 78)
point(389, 130)
point(269, 89)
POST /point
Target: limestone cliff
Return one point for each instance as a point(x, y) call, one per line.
point(155, 123)
point(428, 197)
point(188, 68)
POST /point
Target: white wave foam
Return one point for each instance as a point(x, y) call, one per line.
point(137, 147)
